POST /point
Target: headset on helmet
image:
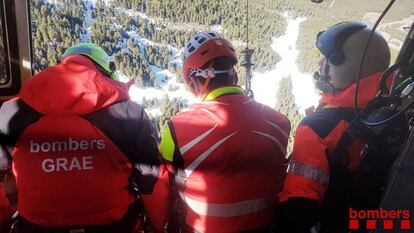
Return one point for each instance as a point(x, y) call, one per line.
point(342, 45)
point(330, 42)
point(96, 54)
point(203, 48)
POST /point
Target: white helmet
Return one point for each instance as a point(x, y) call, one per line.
point(203, 48)
point(343, 45)
point(198, 40)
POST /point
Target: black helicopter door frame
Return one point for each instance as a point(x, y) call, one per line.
point(15, 56)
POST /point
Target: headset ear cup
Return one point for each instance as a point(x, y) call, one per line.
point(337, 58)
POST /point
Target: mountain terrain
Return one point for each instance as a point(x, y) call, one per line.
point(145, 38)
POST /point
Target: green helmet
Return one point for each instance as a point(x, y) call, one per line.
point(95, 53)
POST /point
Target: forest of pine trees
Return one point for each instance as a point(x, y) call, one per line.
point(286, 105)
point(141, 34)
point(55, 27)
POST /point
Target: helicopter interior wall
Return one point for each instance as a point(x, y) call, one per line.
point(400, 191)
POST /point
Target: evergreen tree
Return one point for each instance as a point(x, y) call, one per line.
point(287, 106)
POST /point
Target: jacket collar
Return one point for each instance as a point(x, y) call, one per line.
point(224, 91)
point(368, 88)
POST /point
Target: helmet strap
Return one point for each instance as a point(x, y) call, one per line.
point(204, 90)
point(205, 86)
point(194, 86)
point(207, 74)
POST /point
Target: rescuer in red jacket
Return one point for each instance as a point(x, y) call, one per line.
point(6, 211)
point(79, 148)
point(315, 189)
point(226, 154)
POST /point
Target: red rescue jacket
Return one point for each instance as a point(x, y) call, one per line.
point(76, 137)
point(309, 180)
point(6, 210)
point(228, 156)
point(317, 137)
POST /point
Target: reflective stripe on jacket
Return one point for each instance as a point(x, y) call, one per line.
point(316, 140)
point(325, 160)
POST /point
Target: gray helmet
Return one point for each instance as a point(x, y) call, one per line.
point(343, 45)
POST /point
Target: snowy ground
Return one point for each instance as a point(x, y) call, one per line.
point(395, 43)
point(171, 88)
point(265, 85)
point(166, 83)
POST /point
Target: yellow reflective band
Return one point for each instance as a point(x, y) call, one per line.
point(223, 91)
point(167, 145)
point(330, 106)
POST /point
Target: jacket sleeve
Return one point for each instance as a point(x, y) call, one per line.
point(308, 170)
point(172, 158)
point(152, 176)
point(306, 182)
point(156, 203)
point(15, 117)
point(6, 211)
point(127, 125)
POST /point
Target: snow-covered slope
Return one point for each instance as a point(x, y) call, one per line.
point(265, 85)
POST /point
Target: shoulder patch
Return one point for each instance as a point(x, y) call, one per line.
point(16, 116)
point(324, 120)
point(128, 127)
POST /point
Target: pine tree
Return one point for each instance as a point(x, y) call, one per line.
point(287, 106)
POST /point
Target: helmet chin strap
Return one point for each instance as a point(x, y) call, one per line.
point(207, 74)
point(200, 91)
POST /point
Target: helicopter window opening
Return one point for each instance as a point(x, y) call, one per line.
point(4, 78)
point(10, 61)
